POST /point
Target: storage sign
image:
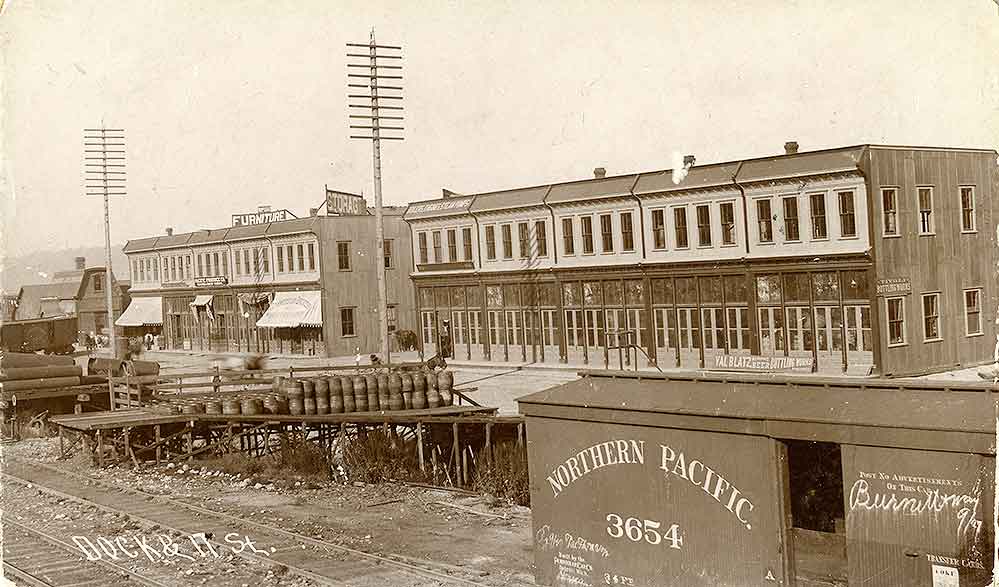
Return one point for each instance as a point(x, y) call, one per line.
point(345, 204)
point(627, 505)
point(261, 217)
point(894, 286)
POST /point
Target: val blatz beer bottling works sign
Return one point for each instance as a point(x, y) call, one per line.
point(893, 286)
point(617, 504)
point(918, 517)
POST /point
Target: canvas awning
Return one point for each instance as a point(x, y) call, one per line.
point(291, 309)
point(202, 300)
point(142, 312)
point(253, 299)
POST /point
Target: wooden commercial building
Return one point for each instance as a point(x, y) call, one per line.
point(80, 292)
point(301, 286)
point(857, 259)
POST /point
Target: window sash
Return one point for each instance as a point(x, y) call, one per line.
point(968, 209)
point(889, 212)
point(791, 226)
point(422, 238)
point(541, 236)
point(765, 221)
point(896, 321)
point(452, 246)
point(925, 196)
point(847, 215)
point(387, 253)
point(587, 226)
point(301, 257)
point(347, 322)
point(568, 238)
point(524, 238)
point(436, 238)
point(659, 229)
point(606, 233)
point(490, 242)
point(728, 223)
point(627, 232)
point(703, 226)
point(931, 317)
point(680, 227)
point(466, 242)
point(312, 258)
point(507, 231)
point(343, 256)
point(817, 203)
point(972, 312)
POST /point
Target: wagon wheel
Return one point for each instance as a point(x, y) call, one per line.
point(38, 425)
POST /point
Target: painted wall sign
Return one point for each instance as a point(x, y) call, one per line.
point(917, 517)
point(893, 286)
point(761, 363)
point(214, 281)
point(626, 505)
point(261, 217)
point(345, 204)
point(440, 205)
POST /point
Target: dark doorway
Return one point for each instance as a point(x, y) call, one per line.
point(815, 476)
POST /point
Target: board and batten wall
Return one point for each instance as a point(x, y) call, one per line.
point(949, 261)
point(356, 288)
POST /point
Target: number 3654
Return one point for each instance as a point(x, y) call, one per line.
point(637, 530)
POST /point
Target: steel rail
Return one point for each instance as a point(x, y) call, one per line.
point(45, 537)
point(244, 521)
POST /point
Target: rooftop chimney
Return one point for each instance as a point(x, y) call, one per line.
point(80, 262)
point(169, 231)
point(688, 160)
point(599, 172)
point(313, 212)
point(263, 208)
point(790, 147)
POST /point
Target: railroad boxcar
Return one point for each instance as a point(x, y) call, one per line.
point(53, 335)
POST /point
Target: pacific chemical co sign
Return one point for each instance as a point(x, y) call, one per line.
point(261, 217)
point(215, 281)
point(894, 286)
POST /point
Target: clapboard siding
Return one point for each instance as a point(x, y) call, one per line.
point(948, 261)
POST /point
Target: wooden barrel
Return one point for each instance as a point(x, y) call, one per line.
point(293, 387)
point(371, 382)
point(433, 397)
point(271, 405)
point(230, 407)
point(278, 384)
point(383, 391)
point(360, 394)
point(335, 386)
point(282, 402)
point(347, 384)
point(213, 407)
point(407, 390)
point(250, 406)
point(174, 409)
point(308, 388)
point(348, 402)
point(193, 408)
point(419, 392)
point(445, 382)
point(310, 406)
point(431, 381)
point(322, 386)
point(322, 396)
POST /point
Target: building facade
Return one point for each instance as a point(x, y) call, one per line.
point(301, 286)
point(839, 260)
point(81, 292)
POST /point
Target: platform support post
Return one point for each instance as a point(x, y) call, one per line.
point(489, 444)
point(100, 448)
point(158, 446)
point(419, 445)
point(457, 453)
point(190, 442)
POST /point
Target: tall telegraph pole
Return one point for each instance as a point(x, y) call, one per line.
point(104, 171)
point(374, 102)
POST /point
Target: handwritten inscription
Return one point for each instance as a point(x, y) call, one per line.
point(573, 570)
point(720, 489)
point(591, 458)
point(162, 547)
point(549, 539)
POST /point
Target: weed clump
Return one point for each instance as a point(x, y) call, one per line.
point(374, 457)
point(505, 475)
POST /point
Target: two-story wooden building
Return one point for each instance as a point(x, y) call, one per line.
point(865, 258)
point(300, 286)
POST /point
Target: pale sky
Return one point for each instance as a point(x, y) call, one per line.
point(229, 105)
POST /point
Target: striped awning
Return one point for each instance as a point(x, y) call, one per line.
point(142, 312)
point(291, 309)
point(202, 300)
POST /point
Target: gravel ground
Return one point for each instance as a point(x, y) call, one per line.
point(391, 519)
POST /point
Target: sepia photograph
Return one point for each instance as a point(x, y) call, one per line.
point(652, 293)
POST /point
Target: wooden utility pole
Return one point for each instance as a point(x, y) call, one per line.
point(371, 101)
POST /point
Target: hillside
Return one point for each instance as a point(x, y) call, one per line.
point(39, 266)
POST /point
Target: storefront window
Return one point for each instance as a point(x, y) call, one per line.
point(474, 294)
point(458, 297)
point(592, 294)
point(613, 294)
point(426, 297)
point(511, 295)
point(856, 285)
point(494, 296)
point(796, 287)
point(662, 291)
point(686, 290)
point(768, 290)
point(826, 287)
point(547, 294)
point(735, 289)
point(443, 299)
point(711, 290)
point(571, 294)
point(634, 292)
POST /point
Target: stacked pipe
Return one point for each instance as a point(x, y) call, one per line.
point(26, 371)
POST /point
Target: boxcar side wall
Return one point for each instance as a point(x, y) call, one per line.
point(941, 258)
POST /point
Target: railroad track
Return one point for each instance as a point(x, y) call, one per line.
point(324, 562)
point(36, 558)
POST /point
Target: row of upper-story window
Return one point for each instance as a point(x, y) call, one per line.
point(246, 260)
point(932, 317)
point(892, 204)
point(788, 209)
